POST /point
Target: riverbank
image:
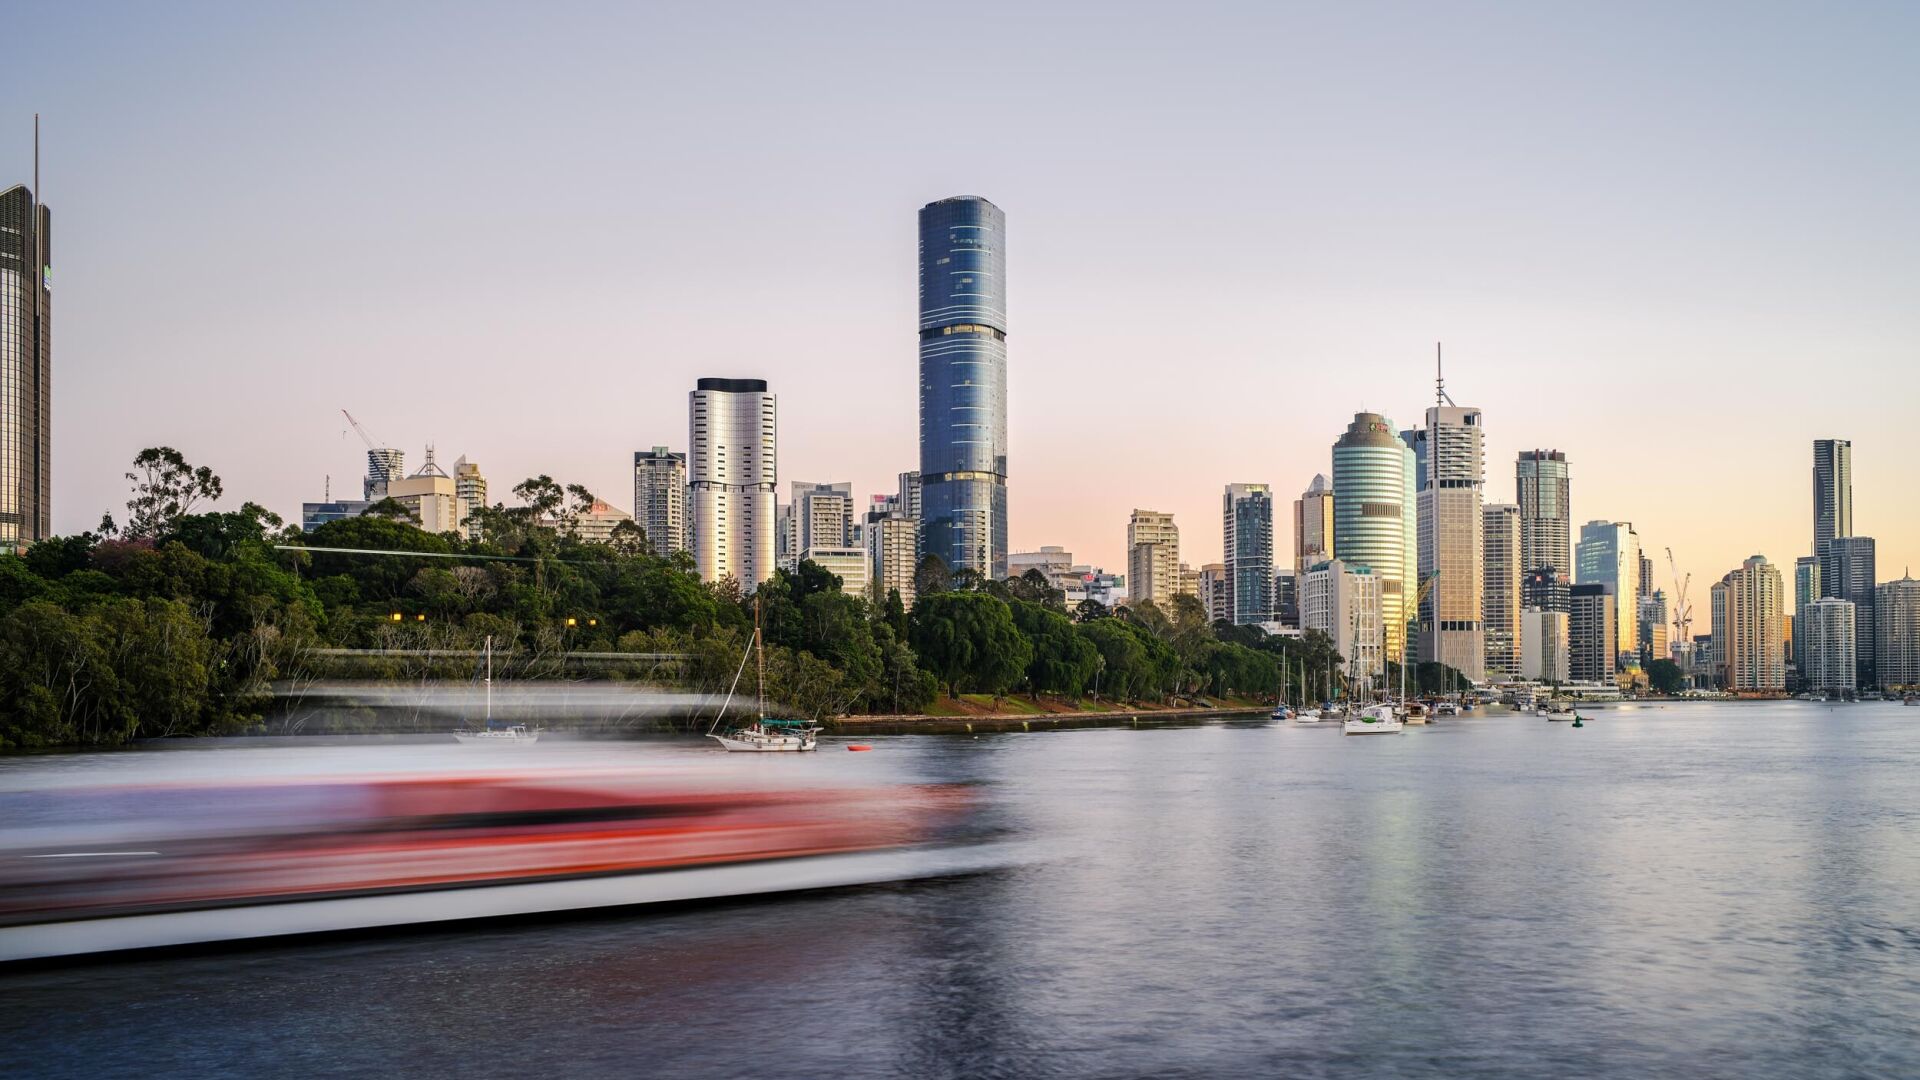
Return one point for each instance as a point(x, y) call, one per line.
point(964, 725)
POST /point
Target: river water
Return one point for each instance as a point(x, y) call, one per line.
point(1698, 890)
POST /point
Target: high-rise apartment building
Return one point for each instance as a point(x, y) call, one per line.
point(1153, 557)
point(1847, 572)
point(1286, 598)
point(1216, 593)
point(26, 365)
point(732, 473)
point(1373, 516)
point(1544, 652)
point(1247, 524)
point(1748, 629)
point(963, 383)
point(1312, 525)
point(1609, 554)
point(1806, 589)
point(1832, 491)
point(1652, 619)
point(1826, 639)
point(1449, 472)
point(1500, 582)
point(1342, 601)
point(1896, 634)
point(1544, 493)
point(822, 515)
point(909, 495)
point(1592, 638)
point(660, 499)
point(892, 541)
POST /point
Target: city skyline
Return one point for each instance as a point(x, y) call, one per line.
point(1560, 330)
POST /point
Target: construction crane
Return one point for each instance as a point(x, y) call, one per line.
point(362, 432)
point(1682, 611)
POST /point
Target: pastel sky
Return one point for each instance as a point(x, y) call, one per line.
point(1678, 242)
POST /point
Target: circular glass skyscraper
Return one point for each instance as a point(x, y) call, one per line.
point(963, 384)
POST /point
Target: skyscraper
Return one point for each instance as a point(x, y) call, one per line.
point(1592, 637)
point(384, 466)
point(1312, 526)
point(1610, 552)
point(1847, 573)
point(1153, 557)
point(732, 471)
point(470, 491)
point(1544, 655)
point(1826, 638)
point(1342, 601)
point(1247, 523)
point(1832, 490)
point(1652, 619)
point(1806, 589)
point(660, 499)
point(26, 364)
point(1896, 634)
point(963, 384)
point(1214, 592)
point(1544, 493)
point(1749, 640)
point(1373, 519)
point(1450, 471)
point(892, 539)
point(822, 515)
point(1500, 581)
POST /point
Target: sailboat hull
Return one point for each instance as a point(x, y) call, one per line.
point(743, 743)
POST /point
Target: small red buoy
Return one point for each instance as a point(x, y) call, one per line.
point(858, 746)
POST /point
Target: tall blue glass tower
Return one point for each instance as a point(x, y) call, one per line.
point(963, 384)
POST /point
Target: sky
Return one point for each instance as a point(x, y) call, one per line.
point(1678, 242)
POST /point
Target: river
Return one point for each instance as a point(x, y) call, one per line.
point(1698, 890)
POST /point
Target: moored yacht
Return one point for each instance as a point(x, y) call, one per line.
point(1373, 720)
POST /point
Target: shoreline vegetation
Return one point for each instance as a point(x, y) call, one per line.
point(187, 622)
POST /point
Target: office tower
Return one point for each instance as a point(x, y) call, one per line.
point(732, 472)
point(1896, 634)
point(1847, 573)
point(1826, 639)
point(1544, 588)
point(1312, 525)
point(1644, 579)
point(1544, 492)
point(1544, 653)
point(1832, 491)
point(1609, 553)
point(1343, 601)
point(1373, 519)
point(26, 364)
point(432, 496)
point(1449, 471)
point(1153, 557)
point(1247, 523)
point(1806, 589)
point(1216, 592)
point(1500, 582)
point(892, 541)
point(963, 383)
point(660, 499)
point(1748, 633)
point(1286, 598)
point(384, 466)
point(1652, 619)
point(1592, 637)
point(910, 494)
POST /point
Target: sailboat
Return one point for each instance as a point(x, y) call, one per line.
point(765, 734)
point(509, 735)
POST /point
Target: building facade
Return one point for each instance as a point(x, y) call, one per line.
point(1832, 491)
point(660, 499)
point(26, 368)
point(1544, 652)
point(1343, 601)
point(384, 465)
point(1847, 572)
point(1748, 628)
point(1313, 525)
point(732, 474)
point(1216, 593)
point(1500, 584)
point(1652, 619)
point(963, 383)
point(1826, 639)
point(1609, 554)
point(1592, 638)
point(893, 542)
point(1449, 472)
point(1247, 523)
point(1373, 516)
point(1806, 589)
point(470, 491)
point(1896, 634)
point(1544, 494)
point(1153, 557)
point(432, 496)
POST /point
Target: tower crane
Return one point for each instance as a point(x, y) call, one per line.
point(1682, 611)
point(360, 431)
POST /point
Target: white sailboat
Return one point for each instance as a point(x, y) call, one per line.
point(765, 734)
point(509, 735)
point(1373, 720)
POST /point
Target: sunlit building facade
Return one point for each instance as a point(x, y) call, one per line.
point(1748, 627)
point(963, 384)
point(1544, 655)
point(1313, 525)
point(1609, 554)
point(1896, 637)
point(1153, 557)
point(1826, 639)
point(1373, 516)
point(1500, 584)
point(732, 474)
point(1544, 494)
point(1832, 491)
point(26, 369)
point(660, 499)
point(1449, 473)
point(1342, 601)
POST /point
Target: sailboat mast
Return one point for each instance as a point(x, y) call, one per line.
point(489, 680)
point(760, 660)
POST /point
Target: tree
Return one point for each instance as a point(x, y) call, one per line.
point(931, 577)
point(1088, 610)
point(165, 488)
point(969, 641)
point(1665, 677)
point(1063, 661)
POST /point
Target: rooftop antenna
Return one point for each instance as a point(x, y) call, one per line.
point(1439, 380)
